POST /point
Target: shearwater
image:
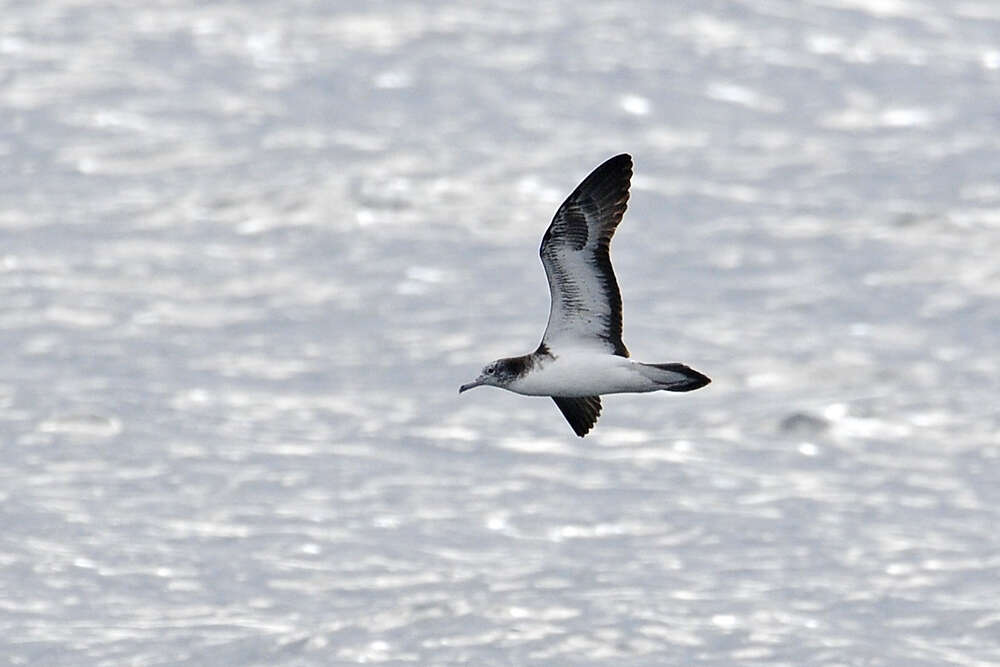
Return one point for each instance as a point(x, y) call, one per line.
point(582, 355)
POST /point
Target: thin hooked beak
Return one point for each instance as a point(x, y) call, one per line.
point(478, 382)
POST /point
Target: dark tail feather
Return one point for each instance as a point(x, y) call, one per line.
point(676, 377)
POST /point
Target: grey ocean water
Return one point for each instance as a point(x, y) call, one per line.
point(248, 252)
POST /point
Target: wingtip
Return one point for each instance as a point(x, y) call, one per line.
point(581, 413)
point(623, 160)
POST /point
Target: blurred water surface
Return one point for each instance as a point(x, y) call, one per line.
point(248, 252)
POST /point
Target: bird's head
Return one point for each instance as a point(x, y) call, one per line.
point(497, 373)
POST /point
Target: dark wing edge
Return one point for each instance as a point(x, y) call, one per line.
point(581, 413)
point(603, 196)
point(607, 188)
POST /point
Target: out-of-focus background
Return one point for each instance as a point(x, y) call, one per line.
point(249, 250)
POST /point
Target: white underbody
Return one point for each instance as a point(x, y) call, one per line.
point(583, 373)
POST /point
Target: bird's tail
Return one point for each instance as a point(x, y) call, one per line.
point(674, 377)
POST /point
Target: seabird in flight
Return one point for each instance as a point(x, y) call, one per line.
point(582, 355)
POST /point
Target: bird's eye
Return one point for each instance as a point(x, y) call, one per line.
point(489, 371)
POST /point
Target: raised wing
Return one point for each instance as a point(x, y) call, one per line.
point(586, 304)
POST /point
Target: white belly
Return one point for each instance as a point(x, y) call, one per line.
point(583, 374)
